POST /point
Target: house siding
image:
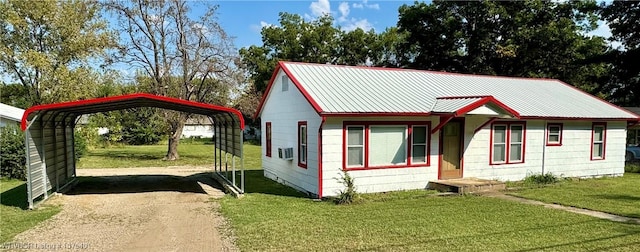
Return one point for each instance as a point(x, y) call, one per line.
point(284, 109)
point(571, 159)
point(373, 180)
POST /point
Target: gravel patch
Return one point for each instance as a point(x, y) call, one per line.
point(135, 209)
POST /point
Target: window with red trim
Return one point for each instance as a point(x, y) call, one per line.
point(598, 141)
point(507, 142)
point(268, 136)
point(302, 144)
point(373, 145)
point(554, 134)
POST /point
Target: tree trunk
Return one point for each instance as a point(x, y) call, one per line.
point(174, 140)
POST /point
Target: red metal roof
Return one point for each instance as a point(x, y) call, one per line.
point(131, 101)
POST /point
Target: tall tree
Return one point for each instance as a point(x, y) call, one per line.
point(623, 84)
point(522, 38)
point(46, 46)
point(317, 41)
point(185, 56)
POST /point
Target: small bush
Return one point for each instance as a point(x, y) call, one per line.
point(632, 167)
point(541, 179)
point(12, 160)
point(349, 194)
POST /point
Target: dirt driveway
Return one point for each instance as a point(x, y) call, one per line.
point(136, 209)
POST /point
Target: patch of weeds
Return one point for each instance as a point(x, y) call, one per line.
point(349, 194)
point(633, 167)
point(541, 179)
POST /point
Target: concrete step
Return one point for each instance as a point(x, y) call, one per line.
point(467, 185)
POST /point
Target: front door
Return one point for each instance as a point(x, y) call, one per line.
point(450, 150)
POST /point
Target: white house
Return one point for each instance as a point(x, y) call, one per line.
point(10, 115)
point(395, 129)
point(198, 126)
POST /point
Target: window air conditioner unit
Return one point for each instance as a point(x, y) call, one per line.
point(285, 153)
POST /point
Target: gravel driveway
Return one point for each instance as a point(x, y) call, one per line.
point(136, 209)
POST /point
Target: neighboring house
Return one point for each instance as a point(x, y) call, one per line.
point(199, 127)
point(633, 134)
point(395, 129)
point(10, 115)
point(83, 120)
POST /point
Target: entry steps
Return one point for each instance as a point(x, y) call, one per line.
point(466, 185)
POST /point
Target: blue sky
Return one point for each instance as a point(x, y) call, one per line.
point(244, 19)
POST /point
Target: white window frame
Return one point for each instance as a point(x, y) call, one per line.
point(603, 141)
point(349, 145)
point(302, 144)
point(425, 144)
point(505, 144)
point(508, 143)
point(559, 134)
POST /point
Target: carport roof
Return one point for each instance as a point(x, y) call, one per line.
point(105, 104)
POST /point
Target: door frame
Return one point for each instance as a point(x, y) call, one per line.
point(461, 120)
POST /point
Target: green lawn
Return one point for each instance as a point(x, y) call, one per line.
point(276, 219)
point(14, 218)
point(620, 195)
point(195, 153)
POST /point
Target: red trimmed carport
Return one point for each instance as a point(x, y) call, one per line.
point(50, 146)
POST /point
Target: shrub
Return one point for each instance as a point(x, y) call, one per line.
point(632, 167)
point(349, 194)
point(541, 179)
point(12, 160)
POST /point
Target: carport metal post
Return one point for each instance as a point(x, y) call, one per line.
point(233, 157)
point(44, 162)
point(27, 136)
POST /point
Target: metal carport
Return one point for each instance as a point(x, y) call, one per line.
point(50, 145)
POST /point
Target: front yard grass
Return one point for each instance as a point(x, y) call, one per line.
point(192, 153)
point(14, 218)
point(616, 195)
point(276, 218)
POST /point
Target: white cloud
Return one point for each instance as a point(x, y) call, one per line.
point(344, 11)
point(365, 4)
point(604, 31)
point(354, 23)
point(320, 8)
point(373, 6)
point(258, 27)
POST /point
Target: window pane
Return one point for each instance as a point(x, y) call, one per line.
point(355, 136)
point(355, 157)
point(419, 154)
point(597, 150)
point(554, 138)
point(303, 133)
point(515, 153)
point(499, 153)
point(303, 154)
point(597, 133)
point(387, 145)
point(554, 129)
point(499, 134)
point(419, 134)
point(516, 133)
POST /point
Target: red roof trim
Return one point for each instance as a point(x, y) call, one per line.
point(295, 81)
point(483, 101)
point(127, 97)
point(600, 99)
point(266, 91)
point(365, 114)
point(304, 92)
point(462, 97)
